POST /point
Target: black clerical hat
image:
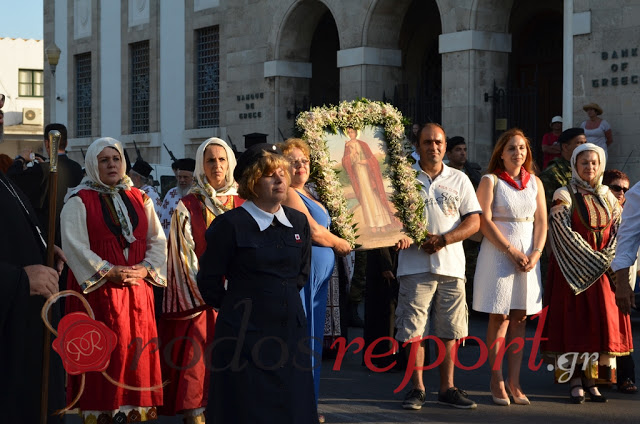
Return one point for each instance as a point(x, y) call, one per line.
point(185, 164)
point(142, 168)
point(251, 156)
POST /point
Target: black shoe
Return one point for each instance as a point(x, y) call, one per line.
point(414, 399)
point(456, 398)
point(576, 399)
point(593, 396)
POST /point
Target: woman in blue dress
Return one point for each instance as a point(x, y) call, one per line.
point(325, 246)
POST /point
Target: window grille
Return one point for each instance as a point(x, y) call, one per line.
point(139, 87)
point(83, 95)
point(208, 77)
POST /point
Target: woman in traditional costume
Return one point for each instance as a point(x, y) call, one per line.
point(514, 224)
point(326, 245)
point(261, 252)
point(186, 318)
point(116, 252)
point(583, 320)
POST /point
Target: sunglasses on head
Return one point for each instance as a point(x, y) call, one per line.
point(615, 187)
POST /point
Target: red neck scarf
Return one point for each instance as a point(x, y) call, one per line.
point(524, 178)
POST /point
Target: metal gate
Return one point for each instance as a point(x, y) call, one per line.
point(516, 107)
point(418, 108)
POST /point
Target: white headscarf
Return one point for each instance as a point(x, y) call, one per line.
point(92, 182)
point(202, 185)
point(599, 189)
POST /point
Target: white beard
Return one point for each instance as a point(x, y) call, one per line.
point(182, 191)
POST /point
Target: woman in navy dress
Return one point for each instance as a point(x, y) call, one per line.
point(261, 371)
point(326, 245)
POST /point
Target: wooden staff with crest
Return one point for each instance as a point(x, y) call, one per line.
point(54, 142)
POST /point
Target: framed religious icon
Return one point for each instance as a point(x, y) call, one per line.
point(359, 156)
point(362, 174)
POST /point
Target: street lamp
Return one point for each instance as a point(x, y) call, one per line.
point(53, 56)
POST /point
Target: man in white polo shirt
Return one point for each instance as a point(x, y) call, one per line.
point(432, 281)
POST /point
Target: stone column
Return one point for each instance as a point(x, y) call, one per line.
point(289, 81)
point(471, 62)
point(368, 72)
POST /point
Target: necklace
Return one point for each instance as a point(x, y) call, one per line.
point(15, 195)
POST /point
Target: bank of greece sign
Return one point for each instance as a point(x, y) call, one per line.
point(619, 68)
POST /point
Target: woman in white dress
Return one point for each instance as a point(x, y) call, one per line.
point(514, 225)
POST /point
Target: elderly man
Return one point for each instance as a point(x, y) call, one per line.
point(139, 174)
point(432, 285)
point(183, 168)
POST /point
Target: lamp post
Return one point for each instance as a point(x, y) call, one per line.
point(53, 56)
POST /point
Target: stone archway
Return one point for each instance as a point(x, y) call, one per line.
point(529, 72)
point(422, 62)
point(325, 80)
point(304, 68)
point(412, 27)
point(475, 47)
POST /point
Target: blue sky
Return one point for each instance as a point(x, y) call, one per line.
point(21, 19)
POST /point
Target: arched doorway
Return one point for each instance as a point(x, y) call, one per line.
point(419, 95)
point(309, 35)
point(325, 81)
point(535, 68)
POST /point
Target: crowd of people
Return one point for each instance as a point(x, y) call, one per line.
point(225, 290)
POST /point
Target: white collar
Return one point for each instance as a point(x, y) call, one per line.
point(263, 218)
point(446, 170)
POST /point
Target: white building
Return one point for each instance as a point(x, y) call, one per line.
point(176, 72)
point(22, 83)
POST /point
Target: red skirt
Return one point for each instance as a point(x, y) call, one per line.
point(185, 361)
point(587, 322)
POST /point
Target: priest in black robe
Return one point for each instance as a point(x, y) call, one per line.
point(25, 283)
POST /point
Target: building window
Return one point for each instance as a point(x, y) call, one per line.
point(208, 77)
point(83, 95)
point(30, 83)
point(139, 87)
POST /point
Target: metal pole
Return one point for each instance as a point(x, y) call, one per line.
point(52, 103)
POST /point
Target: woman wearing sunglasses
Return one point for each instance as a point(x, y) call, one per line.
point(618, 183)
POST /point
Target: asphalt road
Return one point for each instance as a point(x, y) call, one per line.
point(354, 394)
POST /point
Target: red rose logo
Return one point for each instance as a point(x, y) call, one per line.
point(84, 344)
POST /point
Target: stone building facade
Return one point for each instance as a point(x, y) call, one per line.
point(175, 73)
